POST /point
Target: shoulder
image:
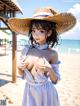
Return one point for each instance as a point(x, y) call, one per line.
point(25, 49)
point(54, 56)
point(54, 52)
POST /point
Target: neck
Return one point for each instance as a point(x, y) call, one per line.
point(41, 46)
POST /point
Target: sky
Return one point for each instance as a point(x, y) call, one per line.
point(73, 6)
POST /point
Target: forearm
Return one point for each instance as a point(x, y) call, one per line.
point(20, 71)
point(21, 67)
point(53, 76)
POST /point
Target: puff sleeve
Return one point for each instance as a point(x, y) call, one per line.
point(55, 67)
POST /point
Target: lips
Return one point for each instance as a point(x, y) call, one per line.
point(37, 39)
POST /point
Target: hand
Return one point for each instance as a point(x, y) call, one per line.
point(43, 65)
point(23, 65)
point(26, 63)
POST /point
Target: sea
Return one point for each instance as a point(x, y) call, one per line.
point(68, 46)
point(64, 46)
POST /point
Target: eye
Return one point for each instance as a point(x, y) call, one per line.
point(42, 31)
point(33, 30)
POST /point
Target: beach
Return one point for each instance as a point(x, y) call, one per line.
point(68, 87)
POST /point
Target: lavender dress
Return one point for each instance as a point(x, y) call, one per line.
point(39, 91)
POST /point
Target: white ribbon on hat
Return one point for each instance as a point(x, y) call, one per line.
point(41, 14)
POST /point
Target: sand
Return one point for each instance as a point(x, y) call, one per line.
point(68, 88)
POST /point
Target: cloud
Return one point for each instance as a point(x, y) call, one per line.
point(75, 32)
point(75, 10)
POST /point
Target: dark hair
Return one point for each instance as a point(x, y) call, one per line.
point(46, 25)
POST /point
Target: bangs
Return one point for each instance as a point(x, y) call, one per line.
point(45, 25)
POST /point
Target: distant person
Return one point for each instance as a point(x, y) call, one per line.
point(39, 62)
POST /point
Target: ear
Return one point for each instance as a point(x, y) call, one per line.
point(49, 33)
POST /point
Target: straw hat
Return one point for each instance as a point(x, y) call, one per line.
point(64, 21)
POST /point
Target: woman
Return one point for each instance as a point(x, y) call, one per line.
point(39, 62)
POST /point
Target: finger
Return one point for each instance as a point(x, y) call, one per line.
point(41, 68)
point(27, 63)
point(30, 66)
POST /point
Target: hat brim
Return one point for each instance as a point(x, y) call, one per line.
point(64, 22)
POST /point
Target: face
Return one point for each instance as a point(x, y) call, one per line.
point(39, 35)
